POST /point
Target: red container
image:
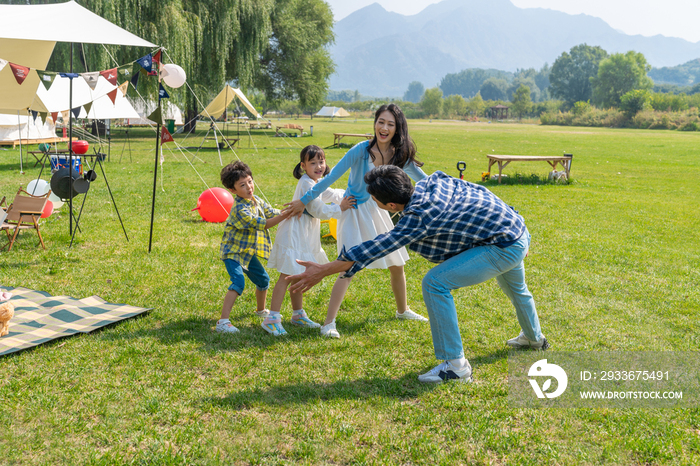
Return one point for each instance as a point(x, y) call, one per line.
point(79, 147)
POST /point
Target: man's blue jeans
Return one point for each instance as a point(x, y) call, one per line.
point(471, 267)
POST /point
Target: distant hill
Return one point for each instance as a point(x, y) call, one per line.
point(682, 75)
point(379, 53)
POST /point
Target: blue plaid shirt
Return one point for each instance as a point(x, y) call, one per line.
point(445, 217)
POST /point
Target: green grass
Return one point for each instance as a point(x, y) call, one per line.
point(613, 266)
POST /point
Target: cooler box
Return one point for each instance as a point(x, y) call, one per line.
point(61, 161)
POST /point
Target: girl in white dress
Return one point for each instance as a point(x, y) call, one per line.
point(391, 145)
point(300, 238)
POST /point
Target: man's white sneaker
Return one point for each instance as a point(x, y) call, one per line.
point(445, 372)
point(329, 331)
point(226, 327)
point(410, 315)
point(522, 342)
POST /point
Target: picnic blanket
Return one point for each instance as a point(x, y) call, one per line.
point(40, 317)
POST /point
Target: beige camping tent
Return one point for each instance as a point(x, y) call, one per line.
point(217, 106)
point(332, 112)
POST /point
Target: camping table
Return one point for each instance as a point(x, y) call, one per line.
point(45, 155)
point(338, 136)
point(278, 129)
point(504, 160)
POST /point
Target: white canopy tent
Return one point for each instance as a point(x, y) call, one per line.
point(12, 128)
point(30, 32)
point(143, 109)
point(217, 106)
point(332, 112)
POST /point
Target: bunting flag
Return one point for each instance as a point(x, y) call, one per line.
point(76, 112)
point(165, 135)
point(46, 78)
point(69, 75)
point(2, 63)
point(43, 116)
point(125, 70)
point(156, 56)
point(34, 114)
point(66, 116)
point(124, 87)
point(110, 75)
point(135, 80)
point(54, 117)
point(146, 62)
point(162, 93)
point(87, 108)
point(20, 72)
point(91, 78)
point(113, 96)
point(156, 116)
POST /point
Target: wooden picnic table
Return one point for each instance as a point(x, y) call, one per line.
point(504, 160)
point(338, 136)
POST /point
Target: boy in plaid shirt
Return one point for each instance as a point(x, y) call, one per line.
point(245, 241)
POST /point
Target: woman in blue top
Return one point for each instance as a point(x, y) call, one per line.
point(391, 145)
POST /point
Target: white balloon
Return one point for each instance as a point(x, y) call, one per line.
point(57, 202)
point(37, 187)
point(173, 75)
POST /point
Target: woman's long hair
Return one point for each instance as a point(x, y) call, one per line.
point(404, 148)
point(309, 153)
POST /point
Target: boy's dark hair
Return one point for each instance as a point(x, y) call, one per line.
point(234, 172)
point(309, 153)
point(388, 183)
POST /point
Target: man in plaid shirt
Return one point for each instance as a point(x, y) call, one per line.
point(473, 236)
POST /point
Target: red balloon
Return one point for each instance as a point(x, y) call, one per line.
point(214, 205)
point(48, 209)
point(80, 147)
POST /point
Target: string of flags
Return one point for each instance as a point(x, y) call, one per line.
point(125, 73)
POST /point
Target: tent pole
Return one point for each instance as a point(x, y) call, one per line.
point(155, 179)
point(70, 148)
point(19, 131)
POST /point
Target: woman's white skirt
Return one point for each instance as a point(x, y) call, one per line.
point(364, 223)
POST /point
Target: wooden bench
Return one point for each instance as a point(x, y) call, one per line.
point(504, 160)
point(278, 129)
point(338, 136)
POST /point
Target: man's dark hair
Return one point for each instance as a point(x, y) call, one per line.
point(234, 172)
point(388, 183)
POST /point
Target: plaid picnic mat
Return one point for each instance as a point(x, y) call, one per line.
point(40, 317)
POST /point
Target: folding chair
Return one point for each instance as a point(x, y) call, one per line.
point(23, 214)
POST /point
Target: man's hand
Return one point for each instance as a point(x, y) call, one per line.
point(294, 208)
point(314, 273)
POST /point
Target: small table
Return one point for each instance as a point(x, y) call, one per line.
point(504, 160)
point(338, 136)
point(291, 127)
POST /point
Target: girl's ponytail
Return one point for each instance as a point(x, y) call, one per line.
point(298, 172)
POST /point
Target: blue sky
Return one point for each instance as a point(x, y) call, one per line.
point(672, 18)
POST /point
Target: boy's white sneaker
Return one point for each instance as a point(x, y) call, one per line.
point(226, 327)
point(445, 372)
point(522, 342)
point(329, 331)
point(410, 315)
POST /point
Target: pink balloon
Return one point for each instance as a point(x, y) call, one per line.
point(48, 209)
point(214, 205)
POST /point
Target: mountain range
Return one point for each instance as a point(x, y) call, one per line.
point(379, 53)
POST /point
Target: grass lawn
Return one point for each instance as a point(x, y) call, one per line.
point(614, 265)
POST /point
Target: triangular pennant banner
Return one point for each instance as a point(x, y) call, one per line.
point(2, 63)
point(46, 78)
point(125, 71)
point(110, 75)
point(34, 114)
point(165, 135)
point(146, 62)
point(20, 72)
point(69, 75)
point(113, 96)
point(54, 117)
point(156, 56)
point(124, 87)
point(66, 116)
point(156, 116)
point(135, 80)
point(43, 116)
point(91, 78)
point(87, 108)
point(162, 93)
point(75, 111)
